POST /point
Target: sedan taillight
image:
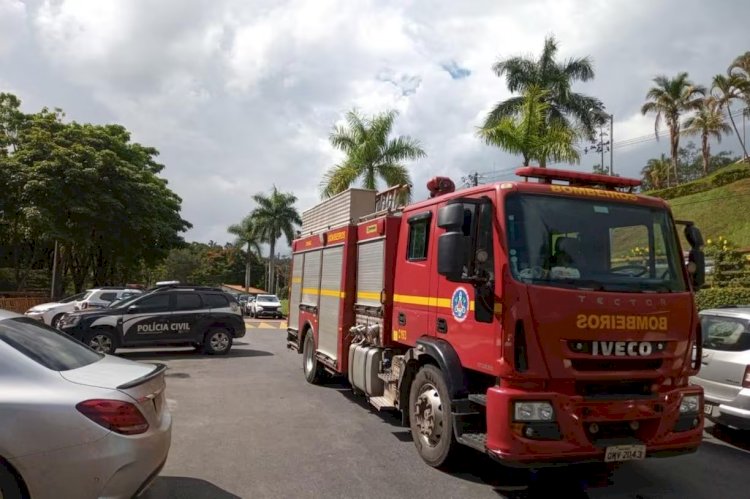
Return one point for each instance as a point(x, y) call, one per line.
point(116, 415)
point(746, 378)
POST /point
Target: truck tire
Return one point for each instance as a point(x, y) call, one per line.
point(10, 488)
point(313, 370)
point(102, 340)
point(430, 418)
point(218, 341)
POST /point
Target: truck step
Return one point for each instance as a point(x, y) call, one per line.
point(388, 377)
point(478, 398)
point(381, 403)
point(476, 441)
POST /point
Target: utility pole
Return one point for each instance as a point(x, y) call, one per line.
point(611, 144)
point(601, 141)
point(54, 273)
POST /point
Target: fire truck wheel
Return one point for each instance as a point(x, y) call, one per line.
point(313, 370)
point(430, 417)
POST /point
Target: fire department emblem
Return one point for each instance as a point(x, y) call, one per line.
point(460, 304)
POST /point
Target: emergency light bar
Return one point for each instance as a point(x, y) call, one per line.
point(576, 178)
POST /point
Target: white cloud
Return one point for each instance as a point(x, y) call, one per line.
point(241, 95)
point(12, 23)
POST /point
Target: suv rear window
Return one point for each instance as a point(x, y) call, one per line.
point(216, 300)
point(46, 346)
point(728, 334)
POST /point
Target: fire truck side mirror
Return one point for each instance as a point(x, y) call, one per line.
point(451, 255)
point(451, 216)
point(696, 258)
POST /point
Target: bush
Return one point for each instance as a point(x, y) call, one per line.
point(722, 177)
point(717, 297)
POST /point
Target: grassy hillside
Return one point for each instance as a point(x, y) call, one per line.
point(722, 211)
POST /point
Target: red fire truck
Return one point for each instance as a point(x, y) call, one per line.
point(542, 321)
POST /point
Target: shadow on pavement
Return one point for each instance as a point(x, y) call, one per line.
point(168, 487)
point(737, 438)
point(190, 354)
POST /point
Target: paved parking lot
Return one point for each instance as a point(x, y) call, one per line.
point(248, 425)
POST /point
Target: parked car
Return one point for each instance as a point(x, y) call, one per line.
point(102, 297)
point(51, 313)
point(76, 423)
point(265, 305)
point(204, 317)
point(725, 369)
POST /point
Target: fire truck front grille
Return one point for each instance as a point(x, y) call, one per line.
point(614, 389)
point(588, 365)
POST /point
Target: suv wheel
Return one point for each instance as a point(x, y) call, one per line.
point(102, 341)
point(218, 342)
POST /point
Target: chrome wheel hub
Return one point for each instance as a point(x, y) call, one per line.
point(429, 415)
point(101, 343)
point(219, 342)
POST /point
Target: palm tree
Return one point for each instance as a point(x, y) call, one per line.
point(668, 100)
point(370, 154)
point(275, 216)
point(247, 235)
point(656, 173)
point(526, 132)
point(709, 121)
point(555, 78)
point(727, 89)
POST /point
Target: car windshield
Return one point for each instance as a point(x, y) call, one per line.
point(46, 346)
point(122, 302)
point(267, 298)
point(592, 244)
point(72, 298)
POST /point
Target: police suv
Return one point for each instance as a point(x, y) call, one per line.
point(206, 318)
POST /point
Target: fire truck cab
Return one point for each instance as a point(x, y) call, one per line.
point(540, 322)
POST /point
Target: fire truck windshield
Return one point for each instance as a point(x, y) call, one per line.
point(592, 244)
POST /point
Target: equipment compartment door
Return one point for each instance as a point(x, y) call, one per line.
point(311, 279)
point(467, 316)
point(295, 294)
point(330, 301)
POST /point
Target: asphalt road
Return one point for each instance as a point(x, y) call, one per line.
point(248, 425)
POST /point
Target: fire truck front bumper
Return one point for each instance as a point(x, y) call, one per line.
point(547, 429)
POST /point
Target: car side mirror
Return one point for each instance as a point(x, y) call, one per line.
point(696, 258)
point(133, 309)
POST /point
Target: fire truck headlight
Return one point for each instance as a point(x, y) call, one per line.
point(533, 411)
point(690, 404)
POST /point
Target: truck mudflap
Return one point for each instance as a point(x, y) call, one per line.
point(588, 430)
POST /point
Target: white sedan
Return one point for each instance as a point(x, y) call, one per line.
point(51, 313)
point(76, 423)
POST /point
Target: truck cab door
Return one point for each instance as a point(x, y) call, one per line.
point(468, 297)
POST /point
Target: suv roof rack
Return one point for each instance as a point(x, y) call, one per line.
point(165, 287)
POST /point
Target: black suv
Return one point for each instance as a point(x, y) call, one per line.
point(207, 318)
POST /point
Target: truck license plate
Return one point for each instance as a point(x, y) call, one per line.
point(624, 453)
point(708, 408)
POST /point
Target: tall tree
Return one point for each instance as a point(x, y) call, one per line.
point(727, 89)
point(708, 122)
point(370, 154)
point(565, 108)
point(247, 235)
point(655, 175)
point(741, 67)
point(275, 216)
point(668, 99)
point(526, 132)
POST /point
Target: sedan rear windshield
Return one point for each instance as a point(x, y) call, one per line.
point(46, 346)
point(728, 334)
point(267, 298)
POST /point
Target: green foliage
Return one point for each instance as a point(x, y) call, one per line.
point(723, 176)
point(717, 297)
point(370, 154)
point(528, 134)
point(206, 264)
point(566, 110)
point(89, 188)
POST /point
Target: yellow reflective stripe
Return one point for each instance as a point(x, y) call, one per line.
point(368, 295)
point(498, 308)
point(427, 301)
point(309, 291)
point(332, 292)
point(296, 280)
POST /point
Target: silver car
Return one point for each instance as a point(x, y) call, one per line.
point(725, 369)
point(76, 423)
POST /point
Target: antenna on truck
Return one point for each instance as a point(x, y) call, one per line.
point(577, 179)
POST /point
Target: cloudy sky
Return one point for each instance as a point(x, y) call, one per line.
point(240, 95)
